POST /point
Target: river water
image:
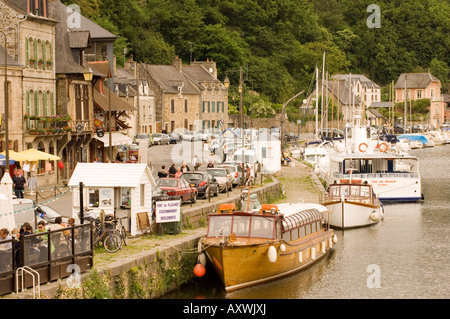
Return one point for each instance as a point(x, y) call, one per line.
point(405, 256)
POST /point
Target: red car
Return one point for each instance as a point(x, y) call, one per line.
point(178, 188)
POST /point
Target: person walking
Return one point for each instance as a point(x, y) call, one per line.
point(19, 183)
point(162, 172)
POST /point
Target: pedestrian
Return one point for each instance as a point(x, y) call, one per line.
point(179, 173)
point(195, 163)
point(162, 172)
point(172, 170)
point(184, 168)
point(19, 183)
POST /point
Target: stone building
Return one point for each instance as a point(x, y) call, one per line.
point(422, 86)
point(31, 44)
point(213, 94)
point(186, 97)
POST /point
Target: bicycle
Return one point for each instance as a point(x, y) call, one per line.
point(122, 231)
point(107, 235)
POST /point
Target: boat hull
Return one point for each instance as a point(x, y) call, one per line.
point(241, 265)
point(346, 214)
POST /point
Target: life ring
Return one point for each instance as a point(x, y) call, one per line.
point(363, 149)
point(383, 147)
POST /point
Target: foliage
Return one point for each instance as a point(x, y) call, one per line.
point(280, 42)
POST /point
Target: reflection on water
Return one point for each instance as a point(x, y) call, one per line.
point(409, 251)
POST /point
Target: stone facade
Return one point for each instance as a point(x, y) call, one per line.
point(31, 39)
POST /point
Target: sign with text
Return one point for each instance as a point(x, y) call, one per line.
point(168, 211)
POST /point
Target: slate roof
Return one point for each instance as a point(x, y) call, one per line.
point(341, 91)
point(415, 80)
point(364, 80)
point(170, 78)
point(64, 61)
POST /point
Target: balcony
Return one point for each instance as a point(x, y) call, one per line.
point(47, 125)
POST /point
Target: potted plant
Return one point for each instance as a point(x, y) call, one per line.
point(49, 63)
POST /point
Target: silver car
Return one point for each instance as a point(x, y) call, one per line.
point(160, 138)
point(235, 171)
point(223, 177)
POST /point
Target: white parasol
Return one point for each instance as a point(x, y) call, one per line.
point(7, 219)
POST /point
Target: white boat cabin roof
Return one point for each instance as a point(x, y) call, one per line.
point(299, 214)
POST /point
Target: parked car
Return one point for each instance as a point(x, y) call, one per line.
point(203, 135)
point(223, 177)
point(188, 136)
point(143, 137)
point(160, 138)
point(178, 188)
point(200, 181)
point(236, 172)
point(175, 137)
point(48, 214)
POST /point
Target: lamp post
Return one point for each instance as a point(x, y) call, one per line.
point(110, 77)
point(6, 104)
point(226, 82)
point(283, 114)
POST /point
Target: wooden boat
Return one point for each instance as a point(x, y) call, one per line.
point(353, 204)
point(249, 248)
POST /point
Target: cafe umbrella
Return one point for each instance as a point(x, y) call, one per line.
point(6, 205)
point(34, 155)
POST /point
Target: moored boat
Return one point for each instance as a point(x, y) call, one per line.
point(353, 204)
point(249, 248)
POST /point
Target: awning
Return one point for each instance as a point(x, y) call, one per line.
point(117, 104)
point(117, 139)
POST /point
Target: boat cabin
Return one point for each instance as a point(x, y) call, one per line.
point(268, 223)
point(351, 190)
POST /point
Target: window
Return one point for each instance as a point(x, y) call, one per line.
point(204, 107)
point(219, 226)
point(94, 197)
point(213, 106)
point(262, 227)
point(241, 225)
point(186, 106)
point(172, 106)
point(142, 197)
point(419, 94)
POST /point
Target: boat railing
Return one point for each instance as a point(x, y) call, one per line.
point(377, 175)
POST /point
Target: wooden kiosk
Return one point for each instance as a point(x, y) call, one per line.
point(120, 190)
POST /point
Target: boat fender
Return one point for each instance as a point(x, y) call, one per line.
point(335, 239)
point(282, 248)
point(199, 270)
point(374, 216)
point(300, 257)
point(330, 242)
point(324, 247)
point(202, 259)
point(363, 147)
point(313, 253)
point(199, 247)
point(272, 254)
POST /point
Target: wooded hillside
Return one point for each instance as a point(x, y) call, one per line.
point(279, 42)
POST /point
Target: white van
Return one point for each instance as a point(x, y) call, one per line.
point(249, 159)
point(23, 211)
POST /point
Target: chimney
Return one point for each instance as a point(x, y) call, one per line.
point(177, 63)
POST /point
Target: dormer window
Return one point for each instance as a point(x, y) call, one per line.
point(180, 93)
point(38, 8)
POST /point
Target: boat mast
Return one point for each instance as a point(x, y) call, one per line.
point(323, 73)
point(317, 102)
point(404, 113)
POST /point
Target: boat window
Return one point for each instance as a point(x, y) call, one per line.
point(365, 191)
point(241, 225)
point(334, 191)
point(302, 231)
point(307, 230)
point(354, 191)
point(262, 227)
point(219, 226)
point(344, 190)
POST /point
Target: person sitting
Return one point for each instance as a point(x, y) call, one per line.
point(172, 170)
point(179, 173)
point(162, 172)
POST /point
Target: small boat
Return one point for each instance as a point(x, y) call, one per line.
point(248, 248)
point(353, 204)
